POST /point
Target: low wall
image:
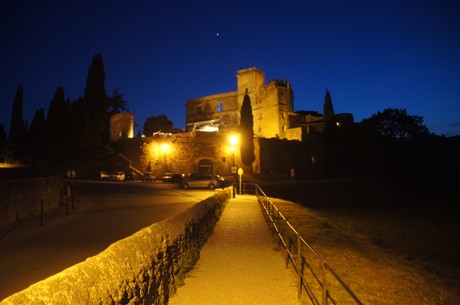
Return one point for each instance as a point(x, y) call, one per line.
point(23, 198)
point(144, 268)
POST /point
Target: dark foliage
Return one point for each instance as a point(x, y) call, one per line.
point(394, 124)
point(96, 107)
point(3, 137)
point(37, 135)
point(309, 112)
point(18, 129)
point(397, 146)
point(159, 123)
point(61, 130)
point(72, 130)
point(328, 110)
point(116, 102)
point(331, 142)
point(247, 132)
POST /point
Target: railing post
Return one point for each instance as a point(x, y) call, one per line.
point(324, 282)
point(299, 267)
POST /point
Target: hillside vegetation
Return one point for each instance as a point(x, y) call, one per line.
point(391, 244)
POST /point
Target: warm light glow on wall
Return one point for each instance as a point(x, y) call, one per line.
point(209, 129)
point(10, 165)
point(165, 147)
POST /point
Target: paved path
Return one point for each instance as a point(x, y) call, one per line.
point(240, 263)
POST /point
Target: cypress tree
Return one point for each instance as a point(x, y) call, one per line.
point(2, 134)
point(328, 110)
point(56, 109)
point(38, 136)
point(247, 132)
point(17, 127)
point(96, 103)
point(58, 124)
point(331, 149)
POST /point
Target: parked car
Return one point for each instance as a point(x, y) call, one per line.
point(167, 177)
point(117, 176)
point(148, 177)
point(102, 175)
point(177, 178)
point(129, 176)
point(210, 181)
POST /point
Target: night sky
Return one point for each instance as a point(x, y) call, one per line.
point(371, 55)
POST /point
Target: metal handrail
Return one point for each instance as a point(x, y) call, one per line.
point(286, 234)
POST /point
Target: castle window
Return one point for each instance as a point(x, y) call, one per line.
point(283, 115)
point(199, 110)
point(220, 106)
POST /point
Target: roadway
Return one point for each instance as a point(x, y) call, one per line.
point(104, 212)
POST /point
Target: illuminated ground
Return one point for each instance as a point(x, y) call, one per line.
point(240, 264)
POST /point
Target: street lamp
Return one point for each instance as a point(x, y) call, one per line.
point(165, 147)
point(233, 139)
point(233, 155)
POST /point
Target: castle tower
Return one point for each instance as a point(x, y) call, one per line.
point(252, 79)
point(121, 126)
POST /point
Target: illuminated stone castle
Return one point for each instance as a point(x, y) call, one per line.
point(272, 106)
point(281, 141)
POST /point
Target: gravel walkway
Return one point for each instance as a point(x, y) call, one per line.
point(239, 264)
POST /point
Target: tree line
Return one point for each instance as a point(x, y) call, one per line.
point(392, 145)
point(71, 129)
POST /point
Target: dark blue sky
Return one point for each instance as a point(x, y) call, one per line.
point(371, 55)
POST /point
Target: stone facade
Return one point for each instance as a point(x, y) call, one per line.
point(181, 153)
point(212, 152)
point(272, 105)
point(121, 126)
point(199, 150)
point(24, 198)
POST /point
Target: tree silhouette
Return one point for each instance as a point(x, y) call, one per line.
point(38, 132)
point(60, 136)
point(247, 132)
point(330, 141)
point(3, 137)
point(398, 146)
point(328, 110)
point(56, 110)
point(95, 99)
point(116, 103)
point(18, 128)
point(157, 123)
point(394, 124)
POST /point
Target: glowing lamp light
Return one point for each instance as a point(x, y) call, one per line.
point(164, 147)
point(233, 140)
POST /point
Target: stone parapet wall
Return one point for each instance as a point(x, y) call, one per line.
point(144, 268)
point(24, 198)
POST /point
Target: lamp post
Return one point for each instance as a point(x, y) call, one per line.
point(233, 141)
